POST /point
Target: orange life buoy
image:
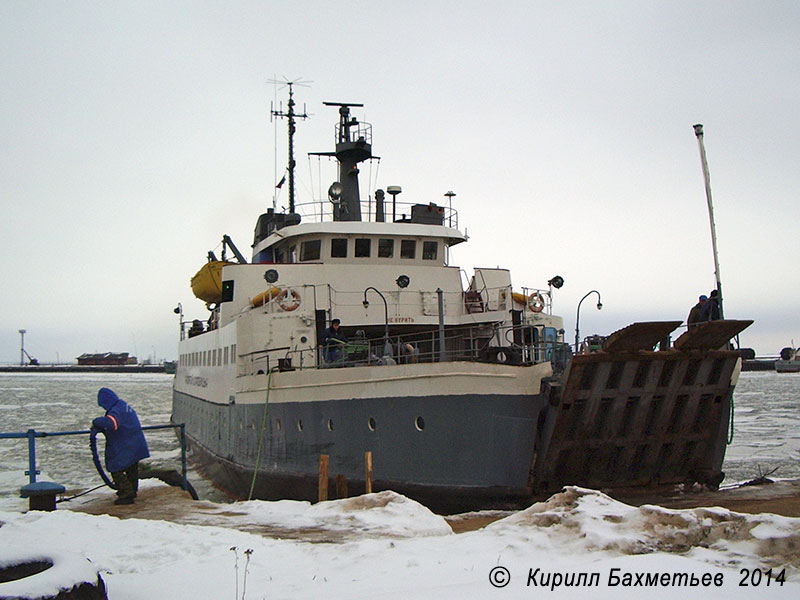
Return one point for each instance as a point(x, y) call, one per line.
point(536, 302)
point(284, 300)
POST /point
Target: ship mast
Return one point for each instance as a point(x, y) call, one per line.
point(353, 145)
point(290, 114)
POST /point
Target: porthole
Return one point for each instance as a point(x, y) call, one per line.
point(299, 424)
point(419, 423)
point(330, 424)
point(278, 424)
point(371, 424)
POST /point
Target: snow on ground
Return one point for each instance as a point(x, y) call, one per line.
point(578, 542)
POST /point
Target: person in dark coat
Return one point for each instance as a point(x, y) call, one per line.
point(332, 342)
point(710, 310)
point(125, 444)
point(695, 315)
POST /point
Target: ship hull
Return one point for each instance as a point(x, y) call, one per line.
point(451, 453)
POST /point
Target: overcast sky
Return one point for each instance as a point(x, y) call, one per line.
point(136, 134)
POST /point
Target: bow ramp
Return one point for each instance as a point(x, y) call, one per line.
point(630, 416)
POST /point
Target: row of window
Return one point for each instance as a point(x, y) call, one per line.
point(217, 357)
point(419, 424)
point(311, 250)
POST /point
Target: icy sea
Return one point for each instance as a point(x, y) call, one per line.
point(766, 426)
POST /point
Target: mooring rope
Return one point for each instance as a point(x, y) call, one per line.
point(730, 424)
point(79, 495)
point(261, 437)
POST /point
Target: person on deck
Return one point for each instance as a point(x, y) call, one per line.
point(125, 443)
point(710, 311)
point(332, 342)
point(695, 315)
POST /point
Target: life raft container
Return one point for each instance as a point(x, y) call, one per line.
point(265, 296)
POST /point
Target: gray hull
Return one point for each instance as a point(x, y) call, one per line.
point(449, 452)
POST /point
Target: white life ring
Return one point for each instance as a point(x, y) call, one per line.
point(284, 300)
point(536, 302)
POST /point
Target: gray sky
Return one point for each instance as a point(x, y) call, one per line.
point(136, 134)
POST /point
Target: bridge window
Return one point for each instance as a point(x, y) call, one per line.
point(362, 247)
point(310, 250)
point(429, 250)
point(408, 248)
point(339, 248)
point(385, 248)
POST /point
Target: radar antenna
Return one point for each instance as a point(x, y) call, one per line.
point(291, 115)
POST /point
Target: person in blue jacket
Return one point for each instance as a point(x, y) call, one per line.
point(125, 444)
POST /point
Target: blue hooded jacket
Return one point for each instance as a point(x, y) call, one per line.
point(125, 443)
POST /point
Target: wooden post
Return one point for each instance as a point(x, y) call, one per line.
point(323, 477)
point(368, 472)
point(341, 486)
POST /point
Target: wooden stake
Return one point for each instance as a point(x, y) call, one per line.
point(323, 477)
point(341, 486)
point(368, 472)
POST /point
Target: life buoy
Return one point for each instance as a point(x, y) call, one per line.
point(284, 301)
point(536, 302)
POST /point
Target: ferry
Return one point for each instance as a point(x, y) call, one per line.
point(461, 388)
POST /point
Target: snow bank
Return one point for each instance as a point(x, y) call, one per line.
point(587, 520)
point(575, 532)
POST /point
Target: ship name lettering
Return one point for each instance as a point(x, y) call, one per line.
point(198, 381)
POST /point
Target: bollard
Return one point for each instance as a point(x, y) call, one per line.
point(42, 494)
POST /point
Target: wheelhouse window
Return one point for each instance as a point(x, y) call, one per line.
point(408, 248)
point(362, 247)
point(385, 248)
point(339, 248)
point(429, 250)
point(310, 250)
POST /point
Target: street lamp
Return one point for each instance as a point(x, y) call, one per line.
point(385, 316)
point(578, 316)
point(178, 310)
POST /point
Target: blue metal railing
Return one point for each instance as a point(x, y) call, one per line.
point(32, 434)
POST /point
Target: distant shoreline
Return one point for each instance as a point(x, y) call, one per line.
point(83, 369)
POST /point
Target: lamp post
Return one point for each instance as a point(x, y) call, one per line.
point(698, 131)
point(385, 311)
point(178, 310)
point(578, 315)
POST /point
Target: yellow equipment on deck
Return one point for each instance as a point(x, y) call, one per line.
point(207, 282)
